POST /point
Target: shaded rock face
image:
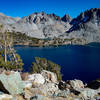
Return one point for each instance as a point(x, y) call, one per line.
point(94, 84)
point(92, 15)
point(2, 88)
point(62, 85)
point(86, 26)
point(24, 76)
point(66, 18)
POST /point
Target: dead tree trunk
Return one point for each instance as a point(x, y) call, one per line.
point(5, 54)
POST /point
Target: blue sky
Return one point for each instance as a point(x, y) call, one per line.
point(22, 8)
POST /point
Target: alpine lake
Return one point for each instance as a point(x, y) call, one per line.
point(76, 61)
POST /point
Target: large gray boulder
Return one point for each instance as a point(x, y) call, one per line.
point(76, 84)
point(12, 82)
point(36, 79)
point(88, 94)
point(46, 89)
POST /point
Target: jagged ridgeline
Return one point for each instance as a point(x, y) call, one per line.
point(38, 27)
point(9, 59)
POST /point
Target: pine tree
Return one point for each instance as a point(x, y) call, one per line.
point(44, 64)
point(9, 59)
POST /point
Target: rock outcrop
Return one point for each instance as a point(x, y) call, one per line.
point(36, 78)
point(76, 84)
point(44, 84)
point(66, 18)
point(12, 82)
point(49, 76)
point(19, 89)
point(86, 26)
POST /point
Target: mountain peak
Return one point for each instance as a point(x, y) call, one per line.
point(54, 16)
point(87, 25)
point(66, 18)
point(89, 15)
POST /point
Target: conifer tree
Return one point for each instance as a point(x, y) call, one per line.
point(9, 59)
point(44, 64)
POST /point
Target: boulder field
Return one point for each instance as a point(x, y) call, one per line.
point(45, 86)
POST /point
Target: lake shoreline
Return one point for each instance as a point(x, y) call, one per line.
point(72, 58)
point(91, 44)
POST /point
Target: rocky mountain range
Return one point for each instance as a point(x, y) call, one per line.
point(41, 25)
point(86, 25)
point(38, 25)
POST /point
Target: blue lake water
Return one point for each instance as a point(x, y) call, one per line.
point(77, 62)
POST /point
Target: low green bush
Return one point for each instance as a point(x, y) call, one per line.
point(44, 64)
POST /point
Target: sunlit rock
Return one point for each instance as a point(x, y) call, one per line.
point(12, 82)
point(76, 84)
point(5, 97)
point(49, 76)
point(36, 79)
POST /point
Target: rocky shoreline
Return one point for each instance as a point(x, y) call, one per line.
point(57, 42)
point(45, 86)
